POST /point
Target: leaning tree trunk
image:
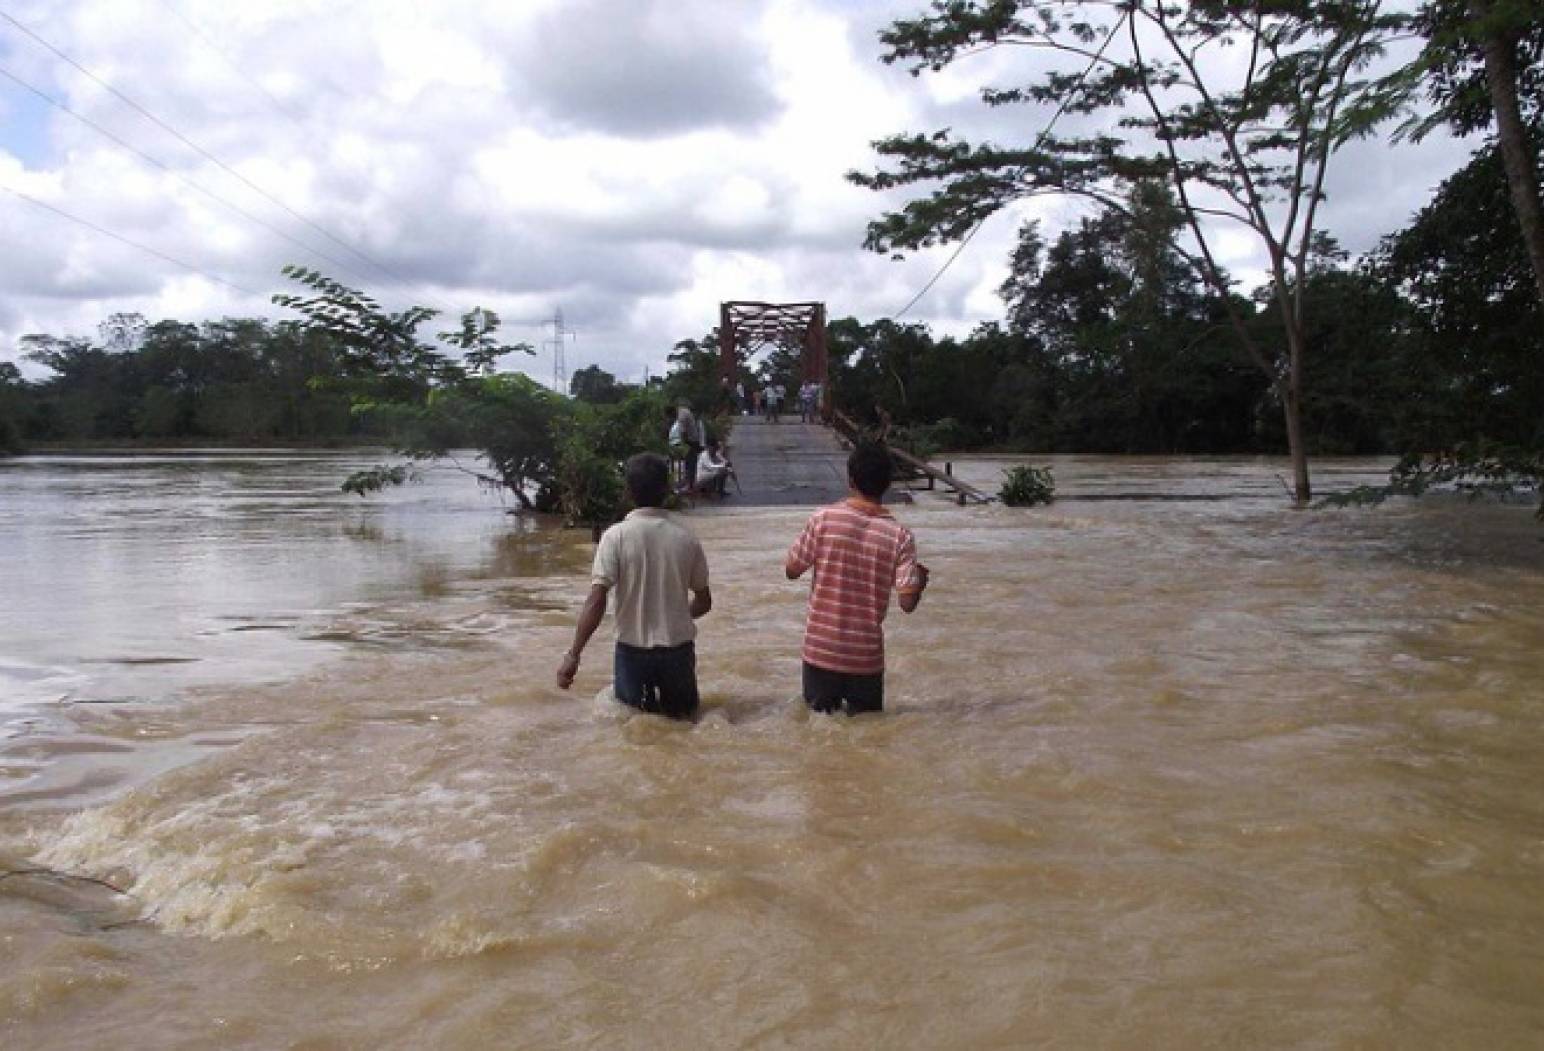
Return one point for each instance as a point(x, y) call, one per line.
point(1516, 150)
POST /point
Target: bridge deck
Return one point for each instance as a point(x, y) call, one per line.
point(788, 463)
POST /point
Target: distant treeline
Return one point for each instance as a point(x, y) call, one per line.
point(1109, 345)
point(235, 381)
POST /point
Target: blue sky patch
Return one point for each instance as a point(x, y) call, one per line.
point(24, 125)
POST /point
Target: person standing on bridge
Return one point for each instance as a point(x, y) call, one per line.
point(807, 401)
point(859, 554)
point(687, 438)
point(652, 561)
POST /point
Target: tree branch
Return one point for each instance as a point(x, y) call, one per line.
point(1210, 272)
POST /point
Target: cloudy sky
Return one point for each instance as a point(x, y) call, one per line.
point(630, 162)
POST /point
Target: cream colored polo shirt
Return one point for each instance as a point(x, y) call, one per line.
point(649, 561)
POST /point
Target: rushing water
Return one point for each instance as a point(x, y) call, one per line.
point(1184, 769)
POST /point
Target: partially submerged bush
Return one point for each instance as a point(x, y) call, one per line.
point(374, 479)
point(551, 452)
point(593, 441)
point(1476, 469)
point(1026, 486)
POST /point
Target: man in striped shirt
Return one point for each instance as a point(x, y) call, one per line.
point(859, 554)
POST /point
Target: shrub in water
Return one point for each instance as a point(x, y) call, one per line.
point(1026, 486)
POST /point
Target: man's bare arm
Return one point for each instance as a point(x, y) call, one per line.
point(909, 600)
point(589, 619)
point(702, 602)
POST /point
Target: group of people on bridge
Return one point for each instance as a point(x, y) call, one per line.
point(768, 401)
point(656, 567)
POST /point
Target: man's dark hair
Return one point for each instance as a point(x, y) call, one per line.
point(870, 470)
point(648, 479)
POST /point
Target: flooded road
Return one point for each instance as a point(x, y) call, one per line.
point(1186, 769)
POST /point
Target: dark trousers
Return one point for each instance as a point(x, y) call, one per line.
point(693, 454)
point(661, 679)
point(834, 691)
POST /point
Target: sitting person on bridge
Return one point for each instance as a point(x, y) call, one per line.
point(859, 553)
point(652, 561)
point(713, 470)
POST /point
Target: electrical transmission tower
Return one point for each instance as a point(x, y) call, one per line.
point(560, 334)
point(558, 341)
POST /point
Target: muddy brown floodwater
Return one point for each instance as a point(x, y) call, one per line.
point(1185, 769)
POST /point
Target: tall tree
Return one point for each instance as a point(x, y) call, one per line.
point(1476, 322)
point(1483, 65)
point(596, 386)
point(1140, 360)
point(1244, 144)
point(694, 375)
point(13, 390)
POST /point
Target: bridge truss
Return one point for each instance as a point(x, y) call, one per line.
point(744, 326)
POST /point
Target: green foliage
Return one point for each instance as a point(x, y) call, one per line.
point(478, 343)
point(1304, 94)
point(231, 380)
point(593, 443)
point(1026, 486)
point(1243, 143)
point(783, 365)
point(926, 440)
point(1130, 351)
point(1477, 469)
point(1450, 68)
point(589, 475)
point(509, 418)
point(694, 377)
point(374, 479)
point(553, 453)
point(12, 399)
point(1112, 345)
point(1474, 326)
point(596, 386)
point(384, 348)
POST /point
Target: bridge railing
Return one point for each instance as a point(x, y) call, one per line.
point(964, 492)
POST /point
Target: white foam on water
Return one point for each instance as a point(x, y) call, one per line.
point(23, 683)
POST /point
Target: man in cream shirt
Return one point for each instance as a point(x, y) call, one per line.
point(652, 562)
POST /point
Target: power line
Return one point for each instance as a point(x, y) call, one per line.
point(131, 243)
point(230, 61)
point(235, 208)
point(925, 289)
point(1040, 139)
point(195, 147)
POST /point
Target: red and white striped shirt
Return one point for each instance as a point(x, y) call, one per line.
point(859, 553)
